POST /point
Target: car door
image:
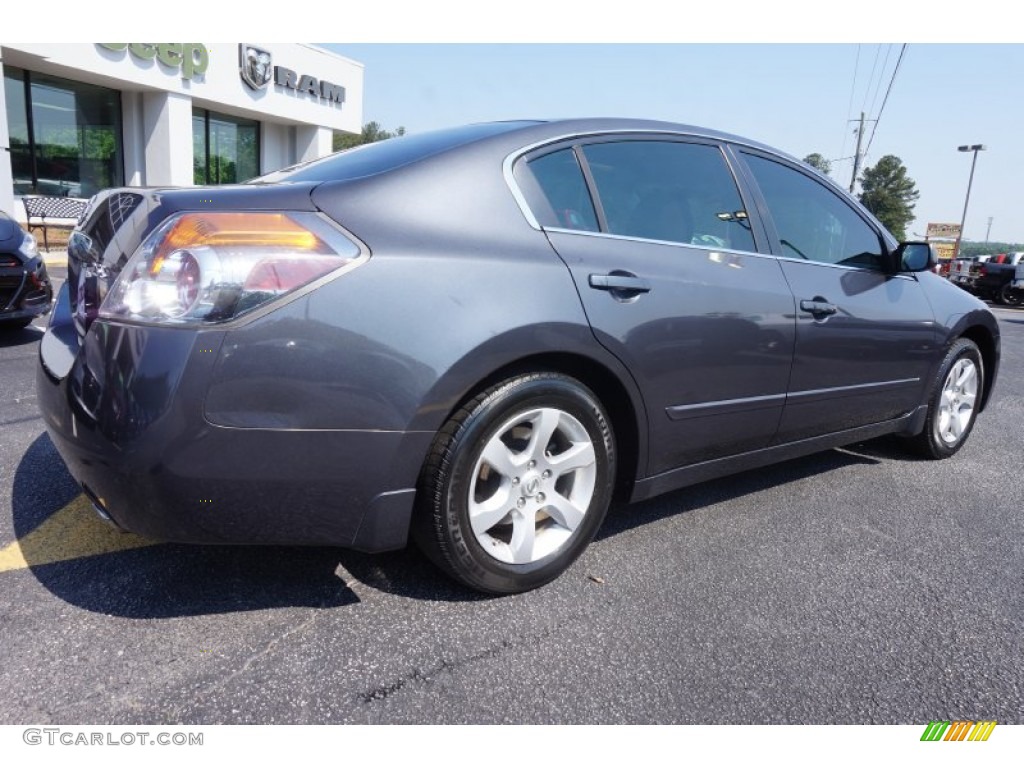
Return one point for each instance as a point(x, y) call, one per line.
point(663, 253)
point(865, 334)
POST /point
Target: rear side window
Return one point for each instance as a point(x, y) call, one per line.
point(564, 189)
point(673, 191)
point(813, 222)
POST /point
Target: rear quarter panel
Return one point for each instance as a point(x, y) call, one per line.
point(457, 286)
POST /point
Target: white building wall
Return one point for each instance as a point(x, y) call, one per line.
point(312, 142)
point(157, 102)
point(275, 152)
point(167, 121)
point(133, 144)
point(219, 84)
point(6, 178)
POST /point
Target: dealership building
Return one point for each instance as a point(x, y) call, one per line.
point(77, 118)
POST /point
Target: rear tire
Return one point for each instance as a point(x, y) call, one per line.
point(1010, 296)
point(516, 484)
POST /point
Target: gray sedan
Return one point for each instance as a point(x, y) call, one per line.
point(479, 336)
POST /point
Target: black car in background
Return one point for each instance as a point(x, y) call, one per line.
point(25, 290)
point(478, 336)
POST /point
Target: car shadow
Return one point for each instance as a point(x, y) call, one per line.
point(622, 517)
point(153, 580)
point(30, 334)
point(888, 448)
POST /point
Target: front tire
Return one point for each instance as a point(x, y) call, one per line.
point(517, 484)
point(953, 404)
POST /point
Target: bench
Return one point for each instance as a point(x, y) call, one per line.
point(42, 210)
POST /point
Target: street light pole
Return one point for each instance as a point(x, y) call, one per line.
point(975, 148)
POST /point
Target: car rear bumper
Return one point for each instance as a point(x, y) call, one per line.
point(125, 412)
point(28, 310)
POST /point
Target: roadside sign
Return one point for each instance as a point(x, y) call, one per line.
point(944, 251)
point(951, 231)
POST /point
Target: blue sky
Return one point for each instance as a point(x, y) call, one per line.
point(797, 97)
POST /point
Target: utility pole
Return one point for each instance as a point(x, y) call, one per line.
point(856, 156)
point(975, 148)
point(989, 230)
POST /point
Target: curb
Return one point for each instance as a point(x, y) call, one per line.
point(55, 258)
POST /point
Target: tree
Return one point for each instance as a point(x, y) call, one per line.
point(968, 248)
point(817, 160)
point(371, 132)
point(889, 193)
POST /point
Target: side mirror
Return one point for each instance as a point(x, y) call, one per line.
point(915, 257)
point(82, 248)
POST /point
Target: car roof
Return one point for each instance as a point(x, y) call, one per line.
point(526, 132)
point(630, 125)
point(502, 137)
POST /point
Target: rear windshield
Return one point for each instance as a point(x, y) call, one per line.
point(381, 156)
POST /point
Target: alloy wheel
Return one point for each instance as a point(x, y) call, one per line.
point(532, 485)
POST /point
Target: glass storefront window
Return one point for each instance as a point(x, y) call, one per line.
point(17, 126)
point(65, 137)
point(225, 150)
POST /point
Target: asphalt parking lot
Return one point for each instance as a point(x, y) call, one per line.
point(854, 586)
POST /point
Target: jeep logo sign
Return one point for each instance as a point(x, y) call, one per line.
point(191, 59)
point(256, 64)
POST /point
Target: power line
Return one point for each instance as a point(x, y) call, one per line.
point(881, 76)
point(849, 107)
point(867, 91)
point(886, 99)
point(857, 155)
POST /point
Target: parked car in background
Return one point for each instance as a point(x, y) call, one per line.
point(480, 335)
point(25, 290)
point(994, 279)
point(1018, 278)
point(963, 270)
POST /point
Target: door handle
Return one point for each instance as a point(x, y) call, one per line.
point(624, 282)
point(818, 306)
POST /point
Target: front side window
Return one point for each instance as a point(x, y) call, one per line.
point(672, 191)
point(812, 222)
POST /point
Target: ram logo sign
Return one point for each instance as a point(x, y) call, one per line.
point(257, 69)
point(254, 64)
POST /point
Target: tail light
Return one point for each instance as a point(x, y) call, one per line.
point(212, 267)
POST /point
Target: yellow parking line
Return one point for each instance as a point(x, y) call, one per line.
point(69, 533)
